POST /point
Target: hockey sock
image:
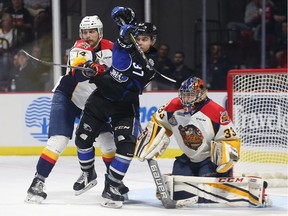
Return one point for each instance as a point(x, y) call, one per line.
point(46, 162)
point(86, 158)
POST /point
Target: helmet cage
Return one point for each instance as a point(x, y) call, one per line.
point(192, 91)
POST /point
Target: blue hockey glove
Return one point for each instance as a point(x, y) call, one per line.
point(126, 14)
point(125, 33)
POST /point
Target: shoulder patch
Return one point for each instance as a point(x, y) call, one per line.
point(224, 118)
point(172, 121)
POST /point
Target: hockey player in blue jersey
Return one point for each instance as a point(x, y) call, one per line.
point(117, 98)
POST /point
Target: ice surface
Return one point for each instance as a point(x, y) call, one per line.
point(16, 174)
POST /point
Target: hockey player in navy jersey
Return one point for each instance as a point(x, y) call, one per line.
point(70, 95)
point(117, 98)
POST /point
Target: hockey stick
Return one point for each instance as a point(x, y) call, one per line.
point(146, 60)
point(138, 48)
point(55, 64)
point(162, 189)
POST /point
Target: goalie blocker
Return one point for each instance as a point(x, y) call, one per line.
point(222, 191)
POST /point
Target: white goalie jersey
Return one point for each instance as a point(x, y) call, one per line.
point(194, 132)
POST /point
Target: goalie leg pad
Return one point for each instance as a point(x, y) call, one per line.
point(152, 142)
point(223, 191)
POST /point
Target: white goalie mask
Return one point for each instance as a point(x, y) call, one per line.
point(91, 22)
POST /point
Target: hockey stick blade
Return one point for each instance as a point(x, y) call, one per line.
point(55, 64)
point(162, 189)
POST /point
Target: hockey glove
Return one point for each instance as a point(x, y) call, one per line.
point(223, 155)
point(125, 32)
point(97, 69)
point(120, 14)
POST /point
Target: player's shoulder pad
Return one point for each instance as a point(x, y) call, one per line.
point(106, 44)
point(81, 44)
point(173, 105)
point(216, 112)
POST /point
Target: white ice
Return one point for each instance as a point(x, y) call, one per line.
point(17, 173)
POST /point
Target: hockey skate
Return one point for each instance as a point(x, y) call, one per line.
point(35, 193)
point(123, 189)
point(86, 181)
point(112, 196)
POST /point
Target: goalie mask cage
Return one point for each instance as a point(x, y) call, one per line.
point(258, 106)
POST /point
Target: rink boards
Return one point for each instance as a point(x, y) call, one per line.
point(25, 120)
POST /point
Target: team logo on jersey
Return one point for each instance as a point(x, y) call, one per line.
point(191, 135)
point(37, 118)
point(224, 118)
point(151, 62)
point(172, 121)
point(119, 77)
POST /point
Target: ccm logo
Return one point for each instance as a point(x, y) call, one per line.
point(231, 179)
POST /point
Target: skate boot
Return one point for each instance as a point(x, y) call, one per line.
point(123, 190)
point(35, 193)
point(86, 181)
point(112, 196)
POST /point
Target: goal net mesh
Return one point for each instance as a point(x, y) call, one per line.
point(258, 101)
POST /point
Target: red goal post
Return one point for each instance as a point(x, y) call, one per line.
point(258, 106)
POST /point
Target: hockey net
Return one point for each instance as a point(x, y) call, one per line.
point(258, 105)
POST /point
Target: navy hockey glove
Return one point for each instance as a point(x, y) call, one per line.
point(97, 69)
point(125, 32)
point(126, 14)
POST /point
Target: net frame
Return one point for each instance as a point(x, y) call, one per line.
point(257, 102)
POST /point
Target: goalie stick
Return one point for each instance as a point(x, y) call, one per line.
point(55, 64)
point(138, 48)
point(162, 189)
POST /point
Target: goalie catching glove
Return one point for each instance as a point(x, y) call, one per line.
point(224, 155)
point(153, 141)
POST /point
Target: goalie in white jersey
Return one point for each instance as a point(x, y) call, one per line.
point(210, 145)
point(202, 129)
point(70, 95)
